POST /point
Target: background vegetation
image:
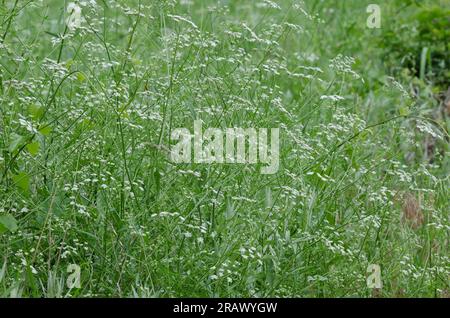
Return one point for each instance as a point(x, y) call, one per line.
point(85, 120)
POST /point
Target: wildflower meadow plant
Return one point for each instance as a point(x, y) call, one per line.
point(221, 149)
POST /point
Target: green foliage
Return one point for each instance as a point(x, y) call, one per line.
point(86, 116)
point(22, 181)
point(7, 223)
point(420, 27)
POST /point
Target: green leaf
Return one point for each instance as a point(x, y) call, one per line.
point(230, 211)
point(33, 148)
point(7, 223)
point(22, 180)
point(424, 56)
point(81, 77)
point(15, 141)
point(45, 130)
point(35, 111)
point(403, 111)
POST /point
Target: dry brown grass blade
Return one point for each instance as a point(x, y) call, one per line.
point(412, 212)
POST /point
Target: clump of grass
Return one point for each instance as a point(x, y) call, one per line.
point(86, 115)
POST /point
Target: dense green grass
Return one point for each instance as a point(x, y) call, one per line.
point(86, 116)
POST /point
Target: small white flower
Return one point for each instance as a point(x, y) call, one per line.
point(73, 20)
point(333, 98)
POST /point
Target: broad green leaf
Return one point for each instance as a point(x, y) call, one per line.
point(35, 111)
point(81, 77)
point(46, 130)
point(22, 180)
point(7, 223)
point(33, 148)
point(15, 141)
